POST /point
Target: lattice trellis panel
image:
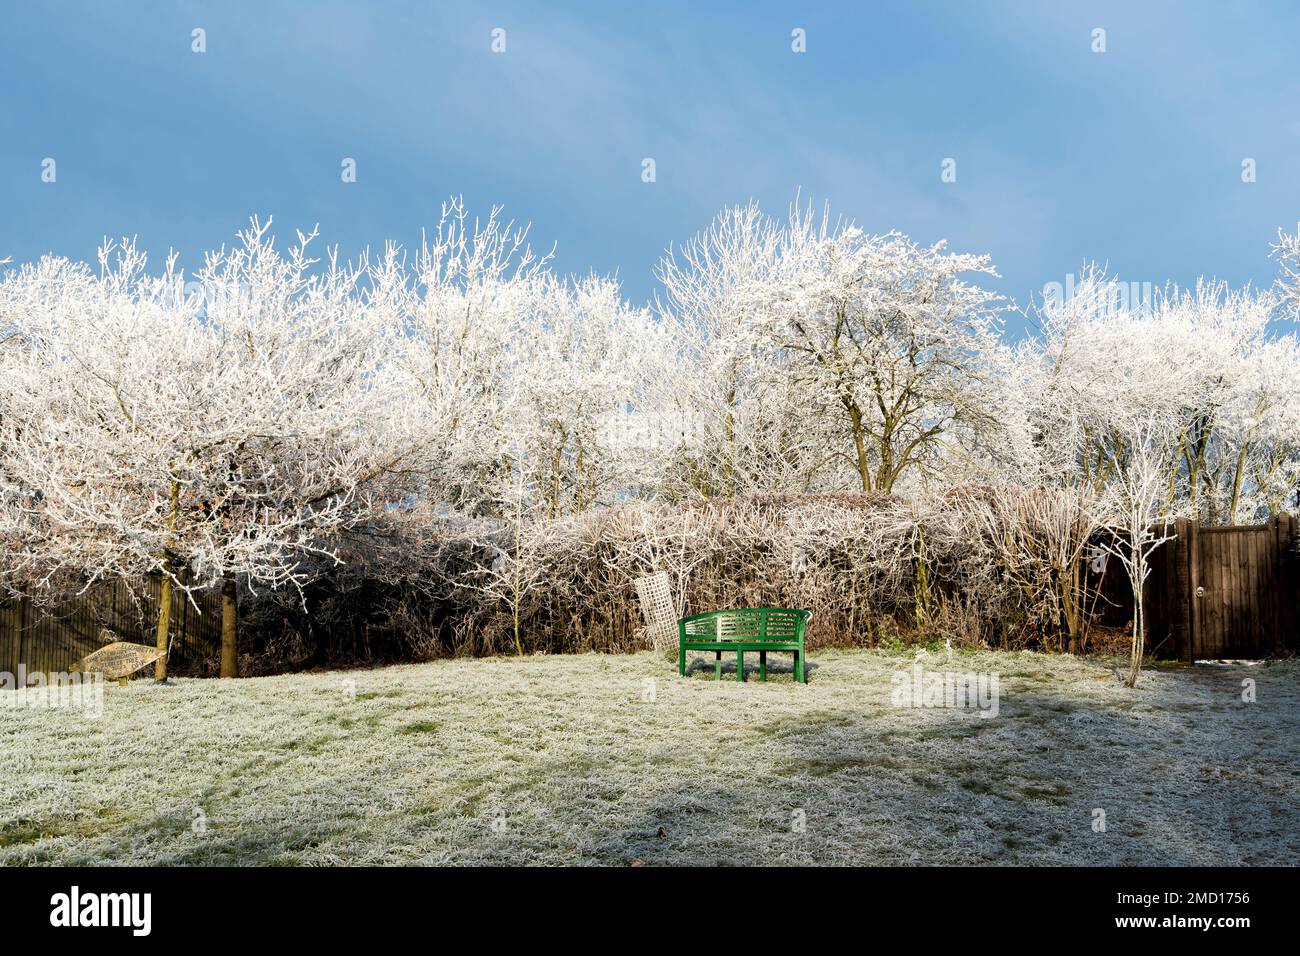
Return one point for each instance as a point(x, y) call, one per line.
point(660, 617)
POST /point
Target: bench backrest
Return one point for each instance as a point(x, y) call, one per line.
point(776, 624)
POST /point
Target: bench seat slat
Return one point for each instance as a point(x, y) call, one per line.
point(743, 646)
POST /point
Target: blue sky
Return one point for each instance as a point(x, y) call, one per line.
point(1132, 156)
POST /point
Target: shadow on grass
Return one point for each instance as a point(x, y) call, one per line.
point(1054, 780)
point(850, 783)
point(776, 666)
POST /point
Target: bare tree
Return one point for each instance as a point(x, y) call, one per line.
point(1139, 516)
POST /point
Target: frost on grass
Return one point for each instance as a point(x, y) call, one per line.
point(581, 759)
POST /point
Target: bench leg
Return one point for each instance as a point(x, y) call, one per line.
point(681, 661)
point(762, 665)
point(799, 677)
point(717, 665)
point(740, 665)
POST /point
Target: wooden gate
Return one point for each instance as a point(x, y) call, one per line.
point(1241, 590)
point(1215, 593)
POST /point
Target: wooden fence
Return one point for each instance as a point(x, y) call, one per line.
point(53, 639)
point(1217, 592)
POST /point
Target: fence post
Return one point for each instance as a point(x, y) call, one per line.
point(1193, 582)
point(1284, 587)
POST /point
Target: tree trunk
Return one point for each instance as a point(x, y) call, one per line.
point(1139, 640)
point(518, 569)
point(164, 620)
point(859, 445)
point(1137, 578)
point(229, 627)
point(729, 438)
point(165, 588)
point(1237, 479)
point(921, 583)
point(1071, 601)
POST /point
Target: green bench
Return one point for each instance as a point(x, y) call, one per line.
point(759, 629)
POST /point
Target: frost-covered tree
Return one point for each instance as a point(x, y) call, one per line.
point(896, 348)
point(524, 376)
point(1203, 360)
point(1137, 512)
point(207, 436)
point(874, 354)
point(317, 433)
point(1287, 253)
point(739, 421)
point(582, 405)
point(75, 442)
point(473, 289)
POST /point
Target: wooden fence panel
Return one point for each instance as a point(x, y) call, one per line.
point(54, 638)
point(1287, 576)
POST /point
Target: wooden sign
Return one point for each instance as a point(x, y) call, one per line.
point(117, 660)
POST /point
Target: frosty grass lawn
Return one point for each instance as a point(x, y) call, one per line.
point(561, 760)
